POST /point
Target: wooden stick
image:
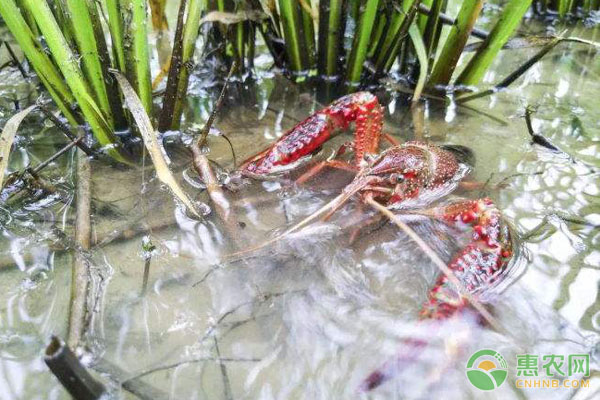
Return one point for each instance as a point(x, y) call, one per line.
point(71, 373)
point(80, 268)
point(219, 200)
point(134, 385)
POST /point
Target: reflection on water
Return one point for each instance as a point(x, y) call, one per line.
point(312, 316)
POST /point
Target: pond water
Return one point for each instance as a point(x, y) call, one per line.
point(312, 315)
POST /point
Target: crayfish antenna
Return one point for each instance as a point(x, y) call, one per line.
point(328, 208)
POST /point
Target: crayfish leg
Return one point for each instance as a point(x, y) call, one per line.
point(480, 264)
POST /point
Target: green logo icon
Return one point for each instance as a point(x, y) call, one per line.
point(487, 369)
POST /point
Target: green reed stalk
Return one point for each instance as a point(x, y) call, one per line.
point(190, 35)
point(421, 51)
point(399, 42)
point(453, 47)
point(28, 16)
point(382, 53)
point(112, 90)
point(38, 59)
point(354, 7)
point(422, 20)
point(68, 65)
point(59, 10)
point(137, 54)
point(564, 6)
point(94, 67)
point(331, 36)
point(362, 37)
point(309, 35)
point(487, 52)
point(115, 26)
point(433, 28)
point(291, 20)
point(381, 23)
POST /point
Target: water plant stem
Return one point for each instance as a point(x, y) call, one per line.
point(453, 47)
point(219, 200)
point(135, 386)
point(213, 115)
point(80, 269)
point(446, 19)
point(361, 42)
point(65, 129)
point(137, 54)
point(69, 67)
point(166, 119)
point(71, 373)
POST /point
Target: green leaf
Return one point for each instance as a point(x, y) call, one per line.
point(487, 52)
point(361, 42)
point(417, 40)
point(459, 34)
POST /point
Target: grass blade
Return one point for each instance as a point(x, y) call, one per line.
point(446, 62)
point(137, 54)
point(67, 63)
point(151, 142)
point(8, 137)
point(362, 38)
point(88, 49)
point(502, 31)
point(115, 26)
point(515, 74)
point(421, 51)
point(331, 33)
point(39, 60)
point(293, 34)
point(166, 120)
point(181, 75)
point(308, 30)
point(433, 28)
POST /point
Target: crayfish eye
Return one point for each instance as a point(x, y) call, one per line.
point(396, 178)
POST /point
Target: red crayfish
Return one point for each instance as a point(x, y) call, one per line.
point(402, 177)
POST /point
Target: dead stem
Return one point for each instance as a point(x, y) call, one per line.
point(134, 385)
point(71, 373)
point(418, 117)
point(440, 264)
point(16, 60)
point(202, 166)
point(226, 382)
point(130, 231)
point(80, 269)
point(64, 129)
point(170, 97)
point(219, 200)
point(188, 361)
point(218, 104)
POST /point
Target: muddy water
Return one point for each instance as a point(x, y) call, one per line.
point(312, 316)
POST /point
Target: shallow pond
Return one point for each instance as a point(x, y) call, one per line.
point(312, 315)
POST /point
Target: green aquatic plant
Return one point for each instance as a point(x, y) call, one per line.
point(562, 8)
point(72, 44)
point(383, 40)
